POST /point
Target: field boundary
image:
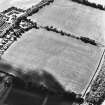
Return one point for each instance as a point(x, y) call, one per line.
point(95, 73)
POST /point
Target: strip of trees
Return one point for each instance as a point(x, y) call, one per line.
point(92, 4)
point(96, 95)
point(62, 33)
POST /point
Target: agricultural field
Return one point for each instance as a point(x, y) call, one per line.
point(71, 61)
point(74, 18)
point(66, 39)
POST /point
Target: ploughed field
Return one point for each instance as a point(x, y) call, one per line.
point(69, 60)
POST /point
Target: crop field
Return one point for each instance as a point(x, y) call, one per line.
point(74, 18)
point(71, 61)
point(66, 39)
